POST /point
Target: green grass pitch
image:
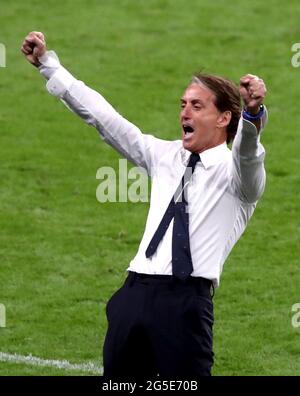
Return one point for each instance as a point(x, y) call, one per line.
point(62, 253)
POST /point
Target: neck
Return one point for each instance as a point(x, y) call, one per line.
point(220, 138)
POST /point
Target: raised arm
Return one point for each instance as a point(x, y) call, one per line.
point(143, 150)
point(248, 172)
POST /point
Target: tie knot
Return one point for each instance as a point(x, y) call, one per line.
point(194, 158)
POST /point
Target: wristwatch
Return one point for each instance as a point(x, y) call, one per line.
point(250, 117)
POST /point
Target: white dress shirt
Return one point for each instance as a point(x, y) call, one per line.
point(222, 193)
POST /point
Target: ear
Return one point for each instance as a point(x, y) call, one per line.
point(224, 119)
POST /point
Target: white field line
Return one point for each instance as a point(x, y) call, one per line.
point(59, 364)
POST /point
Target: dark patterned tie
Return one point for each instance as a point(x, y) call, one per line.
point(182, 265)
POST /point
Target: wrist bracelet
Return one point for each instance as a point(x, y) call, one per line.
point(249, 117)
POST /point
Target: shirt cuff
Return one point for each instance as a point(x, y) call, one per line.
point(249, 128)
point(49, 64)
point(49, 59)
point(60, 82)
point(59, 79)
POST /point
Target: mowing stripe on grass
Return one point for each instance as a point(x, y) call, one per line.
point(59, 364)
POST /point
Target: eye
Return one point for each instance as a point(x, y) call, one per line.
point(197, 107)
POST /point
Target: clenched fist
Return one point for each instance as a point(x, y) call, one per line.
point(253, 92)
point(33, 47)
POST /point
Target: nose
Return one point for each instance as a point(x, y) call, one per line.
point(186, 112)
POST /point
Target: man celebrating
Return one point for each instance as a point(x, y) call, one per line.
point(203, 195)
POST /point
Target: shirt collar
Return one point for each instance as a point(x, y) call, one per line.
point(208, 157)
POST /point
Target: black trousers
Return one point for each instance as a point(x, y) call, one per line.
point(158, 325)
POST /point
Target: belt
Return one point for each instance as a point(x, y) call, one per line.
point(200, 283)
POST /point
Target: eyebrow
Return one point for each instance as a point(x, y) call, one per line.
point(193, 101)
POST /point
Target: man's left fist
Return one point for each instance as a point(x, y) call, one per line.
point(253, 92)
point(33, 47)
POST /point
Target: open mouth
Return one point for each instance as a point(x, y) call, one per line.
point(188, 129)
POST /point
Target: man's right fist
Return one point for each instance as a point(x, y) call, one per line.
point(33, 47)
